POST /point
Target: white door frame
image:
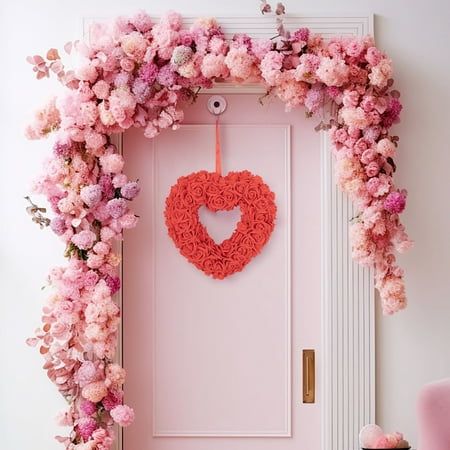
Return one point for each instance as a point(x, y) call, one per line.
point(347, 364)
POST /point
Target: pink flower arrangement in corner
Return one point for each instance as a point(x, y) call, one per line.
point(136, 73)
point(372, 437)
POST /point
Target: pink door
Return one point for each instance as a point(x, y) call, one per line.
point(216, 364)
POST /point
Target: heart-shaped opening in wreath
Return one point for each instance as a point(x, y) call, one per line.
point(241, 191)
point(219, 224)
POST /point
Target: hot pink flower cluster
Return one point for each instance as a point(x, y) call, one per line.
point(135, 73)
point(373, 437)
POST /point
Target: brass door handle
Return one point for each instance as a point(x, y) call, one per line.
point(309, 376)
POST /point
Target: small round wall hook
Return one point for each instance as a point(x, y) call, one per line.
point(217, 105)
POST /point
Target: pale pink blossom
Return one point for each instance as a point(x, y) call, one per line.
point(381, 73)
point(333, 71)
point(123, 415)
point(213, 66)
point(112, 163)
point(239, 62)
point(386, 148)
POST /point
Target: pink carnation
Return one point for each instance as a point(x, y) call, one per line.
point(122, 415)
point(58, 225)
point(148, 72)
point(84, 240)
point(354, 47)
point(87, 408)
point(113, 399)
point(86, 426)
point(87, 373)
point(94, 392)
point(314, 98)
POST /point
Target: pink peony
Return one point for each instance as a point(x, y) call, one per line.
point(372, 169)
point(379, 186)
point(306, 69)
point(240, 62)
point(122, 415)
point(386, 148)
point(134, 45)
point(381, 73)
point(333, 71)
point(395, 202)
point(101, 89)
point(113, 283)
point(373, 56)
point(84, 240)
point(354, 117)
point(112, 163)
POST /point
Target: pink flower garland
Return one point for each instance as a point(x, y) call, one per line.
point(135, 73)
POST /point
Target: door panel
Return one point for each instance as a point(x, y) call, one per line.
point(215, 364)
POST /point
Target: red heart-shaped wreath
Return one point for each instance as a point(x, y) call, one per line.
point(217, 192)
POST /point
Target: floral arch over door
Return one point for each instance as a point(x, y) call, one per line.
point(136, 73)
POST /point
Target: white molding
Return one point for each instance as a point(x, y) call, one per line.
point(348, 322)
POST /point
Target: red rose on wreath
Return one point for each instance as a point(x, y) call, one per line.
point(217, 192)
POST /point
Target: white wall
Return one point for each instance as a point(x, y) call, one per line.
point(412, 346)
